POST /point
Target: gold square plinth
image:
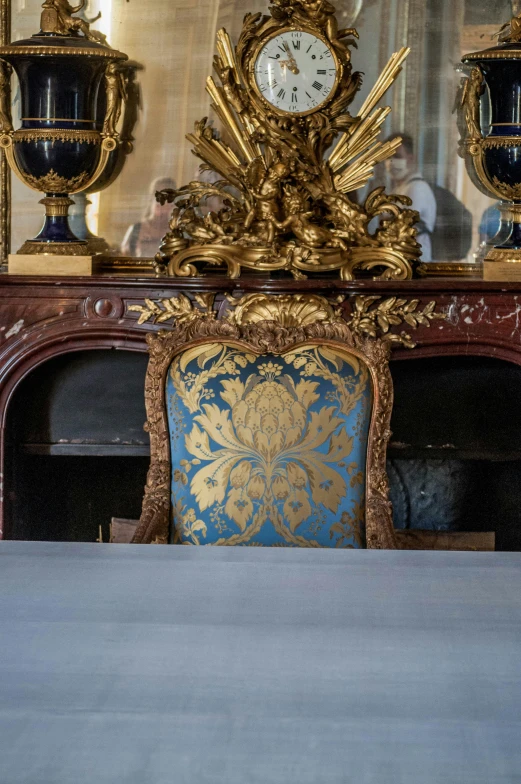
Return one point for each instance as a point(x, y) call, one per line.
point(46, 264)
point(502, 270)
point(502, 264)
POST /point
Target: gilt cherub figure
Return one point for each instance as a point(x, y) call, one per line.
point(58, 15)
point(322, 14)
point(307, 233)
point(511, 31)
point(267, 192)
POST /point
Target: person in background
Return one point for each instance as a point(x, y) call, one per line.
point(142, 239)
point(407, 180)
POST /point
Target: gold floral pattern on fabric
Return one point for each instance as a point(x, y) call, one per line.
point(269, 450)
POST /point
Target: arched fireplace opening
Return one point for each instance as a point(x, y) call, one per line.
point(455, 454)
point(77, 455)
point(76, 451)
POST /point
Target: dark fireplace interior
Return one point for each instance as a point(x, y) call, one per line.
point(77, 454)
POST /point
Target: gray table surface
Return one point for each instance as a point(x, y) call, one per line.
point(166, 665)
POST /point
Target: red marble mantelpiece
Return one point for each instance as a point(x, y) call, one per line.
point(43, 317)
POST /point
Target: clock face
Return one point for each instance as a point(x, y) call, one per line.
point(296, 72)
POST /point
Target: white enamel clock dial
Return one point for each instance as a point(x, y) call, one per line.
point(296, 72)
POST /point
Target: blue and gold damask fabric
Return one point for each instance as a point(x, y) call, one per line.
point(268, 450)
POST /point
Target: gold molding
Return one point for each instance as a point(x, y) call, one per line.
point(505, 255)
point(56, 135)
point(56, 206)
point(448, 269)
point(510, 212)
point(35, 248)
point(366, 315)
point(494, 142)
point(108, 54)
point(260, 337)
point(52, 182)
point(504, 54)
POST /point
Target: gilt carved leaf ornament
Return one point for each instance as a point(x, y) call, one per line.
point(289, 158)
point(367, 316)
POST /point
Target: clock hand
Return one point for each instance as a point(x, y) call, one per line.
point(292, 63)
point(290, 54)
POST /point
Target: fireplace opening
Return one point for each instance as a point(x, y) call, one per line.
point(454, 460)
point(77, 455)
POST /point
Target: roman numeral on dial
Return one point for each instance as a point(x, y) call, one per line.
point(281, 93)
point(317, 85)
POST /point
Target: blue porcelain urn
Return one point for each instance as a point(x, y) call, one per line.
point(490, 125)
point(63, 146)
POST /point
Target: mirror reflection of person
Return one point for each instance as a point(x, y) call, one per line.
point(142, 239)
point(490, 223)
point(407, 180)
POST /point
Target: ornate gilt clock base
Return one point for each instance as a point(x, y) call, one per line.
point(502, 264)
point(48, 264)
point(299, 261)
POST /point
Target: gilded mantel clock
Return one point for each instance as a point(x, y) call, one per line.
point(289, 158)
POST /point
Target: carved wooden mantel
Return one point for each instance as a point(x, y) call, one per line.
point(43, 317)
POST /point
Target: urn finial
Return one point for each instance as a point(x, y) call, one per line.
point(57, 18)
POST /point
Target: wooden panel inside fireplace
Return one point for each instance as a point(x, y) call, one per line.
point(76, 452)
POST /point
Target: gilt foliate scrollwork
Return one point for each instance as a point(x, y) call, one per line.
point(284, 181)
point(56, 135)
point(366, 316)
point(54, 183)
point(179, 309)
point(375, 317)
point(508, 191)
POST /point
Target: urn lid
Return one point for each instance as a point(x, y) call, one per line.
point(63, 34)
point(53, 45)
point(508, 47)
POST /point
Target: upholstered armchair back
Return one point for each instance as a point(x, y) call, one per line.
point(268, 428)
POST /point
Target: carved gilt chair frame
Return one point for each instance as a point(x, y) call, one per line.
point(259, 323)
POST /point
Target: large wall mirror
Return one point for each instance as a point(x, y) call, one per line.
point(171, 45)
